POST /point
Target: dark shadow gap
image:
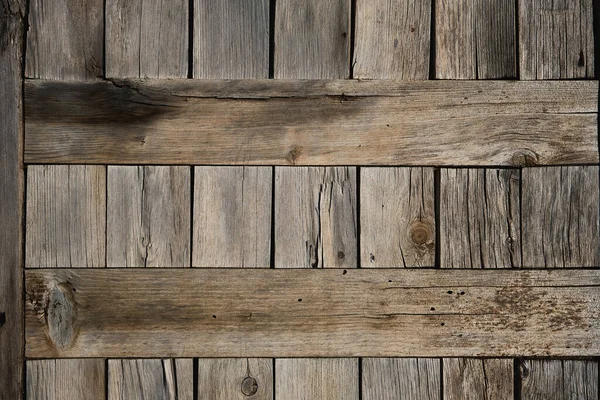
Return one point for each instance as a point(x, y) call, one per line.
point(272, 10)
point(272, 260)
point(437, 218)
point(192, 184)
point(190, 73)
point(517, 378)
point(358, 244)
point(352, 36)
point(432, 43)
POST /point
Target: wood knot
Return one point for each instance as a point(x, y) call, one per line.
point(341, 255)
point(293, 155)
point(526, 158)
point(61, 315)
point(421, 233)
point(249, 386)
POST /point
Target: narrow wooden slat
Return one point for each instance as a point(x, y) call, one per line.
point(148, 216)
point(469, 378)
point(66, 216)
point(66, 379)
point(480, 222)
point(147, 38)
point(561, 218)
point(330, 123)
point(400, 378)
point(556, 39)
point(235, 378)
point(210, 312)
point(65, 39)
point(324, 378)
point(559, 380)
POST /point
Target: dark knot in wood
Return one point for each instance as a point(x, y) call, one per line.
point(249, 386)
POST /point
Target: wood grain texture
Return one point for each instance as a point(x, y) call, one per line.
point(312, 123)
point(559, 380)
point(147, 38)
point(400, 378)
point(235, 378)
point(65, 39)
point(262, 312)
point(480, 223)
point(475, 39)
point(12, 16)
point(397, 217)
point(556, 39)
point(66, 379)
point(148, 215)
point(151, 379)
point(314, 378)
point(470, 378)
point(561, 217)
point(231, 39)
point(315, 217)
point(66, 216)
point(232, 217)
point(392, 39)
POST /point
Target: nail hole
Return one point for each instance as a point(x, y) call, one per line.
point(432, 308)
point(442, 324)
point(462, 293)
point(345, 272)
point(450, 292)
point(214, 316)
point(390, 281)
point(299, 299)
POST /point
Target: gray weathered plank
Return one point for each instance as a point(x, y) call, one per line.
point(232, 217)
point(147, 38)
point(559, 380)
point(311, 312)
point(235, 378)
point(337, 122)
point(148, 218)
point(400, 378)
point(556, 39)
point(480, 224)
point(66, 216)
point(65, 39)
point(470, 378)
point(231, 39)
point(316, 378)
point(561, 217)
point(397, 217)
point(81, 379)
point(151, 379)
point(315, 217)
point(475, 39)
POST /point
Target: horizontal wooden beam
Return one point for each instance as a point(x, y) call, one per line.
point(311, 313)
point(337, 122)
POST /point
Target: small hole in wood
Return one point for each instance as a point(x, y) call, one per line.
point(442, 324)
point(214, 316)
point(345, 272)
point(450, 292)
point(432, 308)
point(299, 300)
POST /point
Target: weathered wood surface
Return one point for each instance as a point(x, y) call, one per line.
point(232, 217)
point(561, 217)
point(315, 217)
point(148, 216)
point(235, 378)
point(65, 379)
point(556, 39)
point(151, 379)
point(478, 379)
point(65, 39)
point(397, 217)
point(400, 378)
point(480, 225)
point(559, 379)
point(475, 39)
point(316, 378)
point(147, 38)
point(66, 216)
point(311, 313)
point(314, 123)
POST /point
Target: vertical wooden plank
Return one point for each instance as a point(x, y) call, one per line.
point(471, 378)
point(231, 39)
point(151, 379)
point(475, 39)
point(480, 218)
point(392, 39)
point(315, 217)
point(235, 378)
point(400, 378)
point(232, 217)
point(397, 217)
point(556, 39)
point(148, 216)
point(66, 216)
point(65, 39)
point(561, 217)
point(559, 380)
point(82, 379)
point(316, 378)
point(147, 38)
